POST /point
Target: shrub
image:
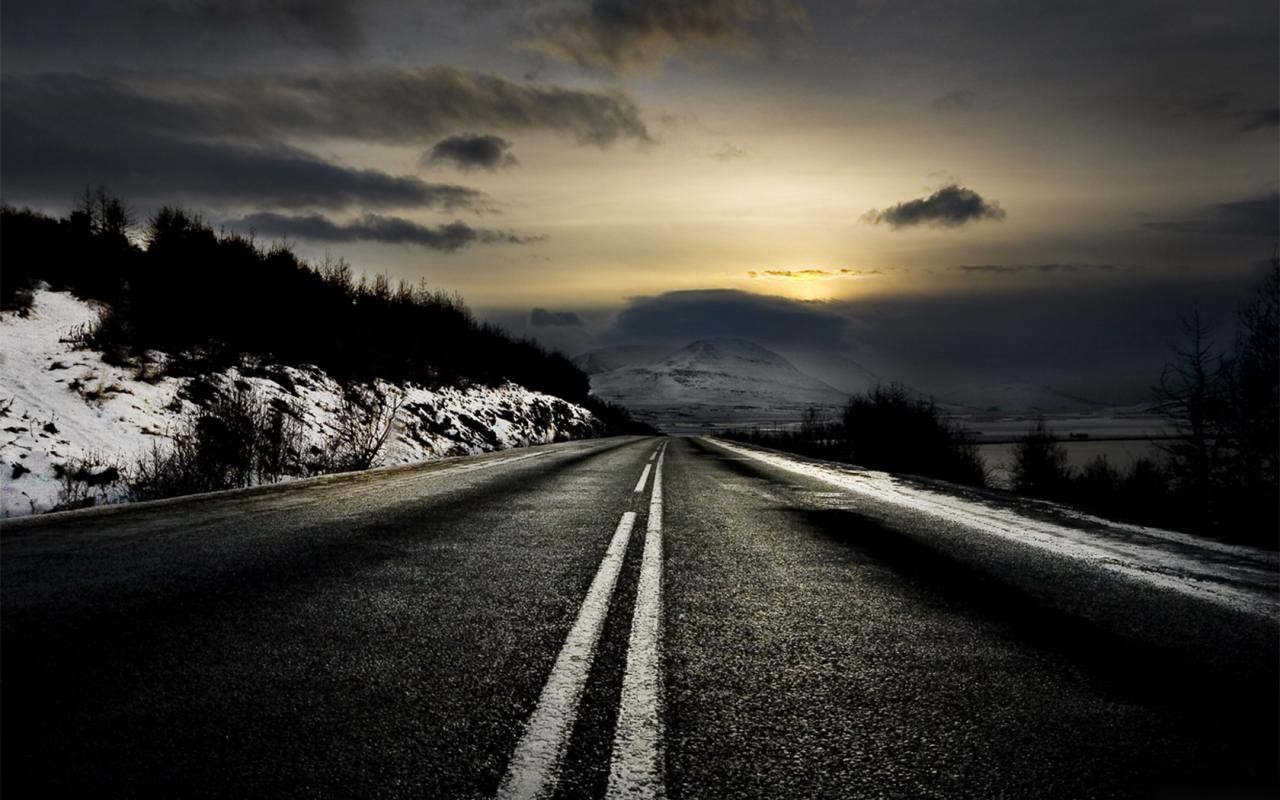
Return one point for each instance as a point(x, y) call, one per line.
point(884, 428)
point(235, 440)
point(362, 424)
point(85, 481)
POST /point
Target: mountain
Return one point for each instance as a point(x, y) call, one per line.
point(607, 359)
point(715, 380)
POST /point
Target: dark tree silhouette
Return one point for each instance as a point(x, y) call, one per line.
point(1040, 462)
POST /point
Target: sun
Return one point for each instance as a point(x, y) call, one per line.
point(810, 283)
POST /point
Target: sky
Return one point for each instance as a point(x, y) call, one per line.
point(982, 189)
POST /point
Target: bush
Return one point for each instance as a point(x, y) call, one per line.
point(888, 429)
point(85, 481)
point(233, 441)
point(362, 425)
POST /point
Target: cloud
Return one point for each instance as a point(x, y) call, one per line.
point(729, 152)
point(185, 137)
point(1213, 104)
point(1222, 106)
point(53, 165)
point(471, 151)
point(446, 238)
point(1042, 268)
point(949, 207)
point(185, 27)
point(409, 106)
point(624, 35)
point(1048, 334)
point(812, 274)
point(1258, 119)
point(1256, 216)
point(957, 100)
point(337, 24)
point(681, 316)
point(542, 318)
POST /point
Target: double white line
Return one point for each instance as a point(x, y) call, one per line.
point(636, 770)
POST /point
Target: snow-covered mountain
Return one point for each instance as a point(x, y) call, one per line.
point(71, 424)
point(715, 380)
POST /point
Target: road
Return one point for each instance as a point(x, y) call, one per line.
point(629, 617)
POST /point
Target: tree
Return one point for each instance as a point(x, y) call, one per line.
point(1251, 424)
point(1040, 462)
point(1192, 397)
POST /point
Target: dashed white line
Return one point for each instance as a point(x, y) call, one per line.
point(535, 764)
point(644, 477)
point(637, 766)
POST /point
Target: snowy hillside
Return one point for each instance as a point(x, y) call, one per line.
point(715, 379)
point(69, 420)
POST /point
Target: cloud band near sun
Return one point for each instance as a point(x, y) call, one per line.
point(811, 274)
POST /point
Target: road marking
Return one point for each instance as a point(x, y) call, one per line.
point(535, 764)
point(637, 767)
point(644, 477)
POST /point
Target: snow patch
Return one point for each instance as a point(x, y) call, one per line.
point(1241, 577)
point(63, 409)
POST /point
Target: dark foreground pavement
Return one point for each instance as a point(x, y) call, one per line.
point(390, 635)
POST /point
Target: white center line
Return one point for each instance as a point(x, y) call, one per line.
point(644, 477)
point(637, 768)
point(535, 763)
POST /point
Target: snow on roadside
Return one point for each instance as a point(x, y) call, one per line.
point(1244, 578)
point(62, 407)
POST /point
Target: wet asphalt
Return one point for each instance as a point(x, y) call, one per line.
point(387, 635)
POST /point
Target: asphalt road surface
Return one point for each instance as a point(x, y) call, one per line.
point(632, 617)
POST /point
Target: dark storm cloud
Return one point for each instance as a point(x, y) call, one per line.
point(619, 35)
point(1257, 216)
point(949, 207)
point(471, 151)
point(544, 318)
point(52, 165)
point(446, 238)
point(688, 315)
point(387, 106)
point(188, 136)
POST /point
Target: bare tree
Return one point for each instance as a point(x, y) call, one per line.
point(1192, 397)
